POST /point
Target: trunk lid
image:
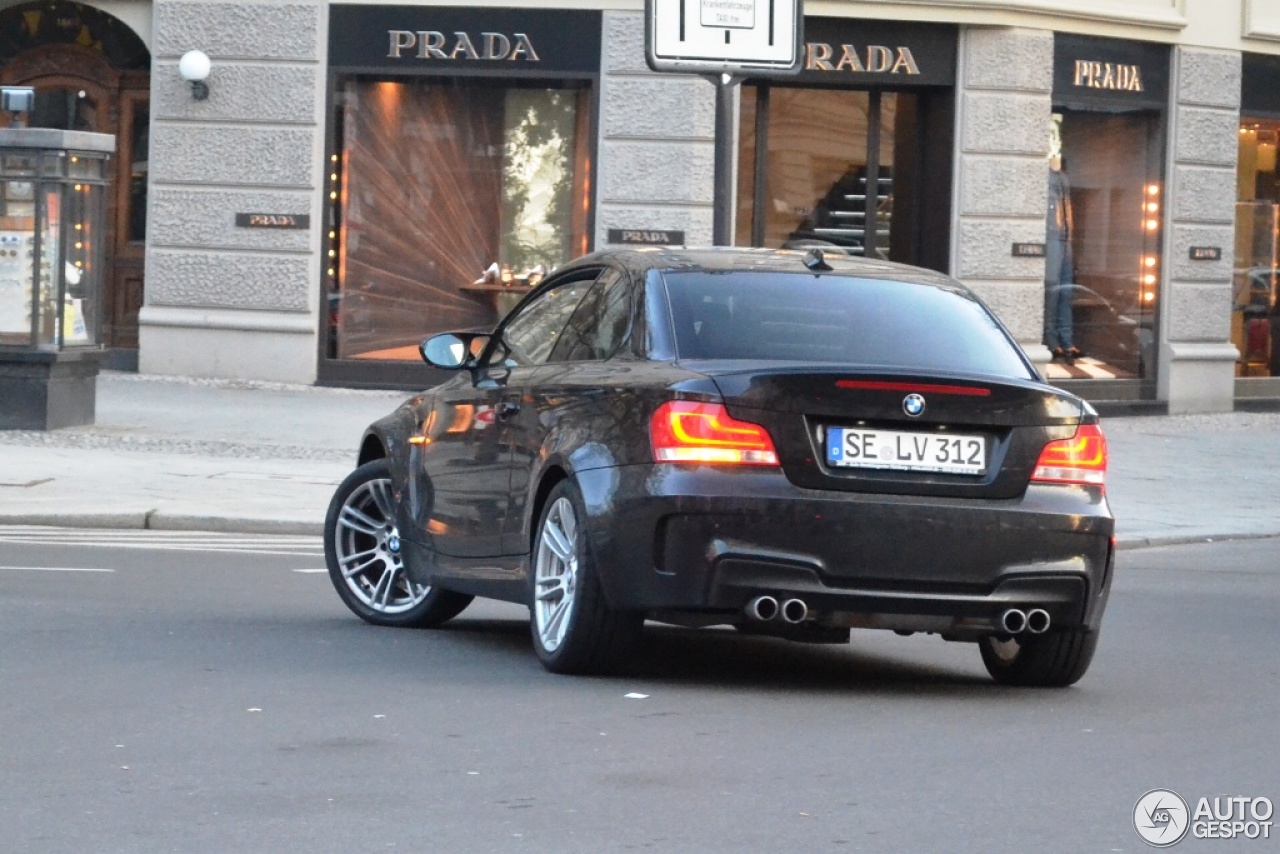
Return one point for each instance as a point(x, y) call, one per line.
point(972, 436)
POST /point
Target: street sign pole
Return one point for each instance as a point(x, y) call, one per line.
point(722, 204)
point(727, 40)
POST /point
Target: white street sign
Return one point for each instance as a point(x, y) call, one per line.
point(714, 36)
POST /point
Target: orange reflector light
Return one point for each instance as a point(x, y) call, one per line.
point(687, 431)
point(1080, 459)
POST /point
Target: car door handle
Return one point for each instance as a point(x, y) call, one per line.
point(506, 409)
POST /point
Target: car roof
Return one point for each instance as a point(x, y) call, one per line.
point(722, 259)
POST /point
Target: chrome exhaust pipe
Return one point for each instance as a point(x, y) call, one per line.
point(1038, 621)
point(1013, 621)
point(762, 608)
point(794, 611)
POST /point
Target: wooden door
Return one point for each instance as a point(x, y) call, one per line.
point(125, 269)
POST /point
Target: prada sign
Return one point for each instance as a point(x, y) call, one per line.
point(1260, 90)
point(1108, 75)
point(273, 220)
point(433, 44)
point(458, 39)
point(874, 59)
point(1109, 72)
point(646, 237)
point(884, 52)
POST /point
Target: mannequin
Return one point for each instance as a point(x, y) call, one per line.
point(1059, 277)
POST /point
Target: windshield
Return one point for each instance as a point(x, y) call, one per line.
point(837, 319)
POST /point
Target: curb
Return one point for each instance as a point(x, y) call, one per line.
point(1188, 539)
point(153, 520)
point(228, 525)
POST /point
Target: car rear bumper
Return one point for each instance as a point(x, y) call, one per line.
point(710, 541)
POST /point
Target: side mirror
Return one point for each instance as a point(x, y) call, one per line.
point(452, 350)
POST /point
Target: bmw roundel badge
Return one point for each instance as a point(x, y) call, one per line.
point(913, 405)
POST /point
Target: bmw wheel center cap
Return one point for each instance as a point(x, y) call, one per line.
point(393, 543)
point(913, 405)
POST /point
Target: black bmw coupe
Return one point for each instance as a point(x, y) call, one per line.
point(792, 443)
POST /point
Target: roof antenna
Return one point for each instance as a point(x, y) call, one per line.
point(814, 260)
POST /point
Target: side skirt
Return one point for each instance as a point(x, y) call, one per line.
point(503, 578)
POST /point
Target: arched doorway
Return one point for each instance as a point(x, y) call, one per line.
point(91, 72)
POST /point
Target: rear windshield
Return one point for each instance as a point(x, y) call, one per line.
point(808, 318)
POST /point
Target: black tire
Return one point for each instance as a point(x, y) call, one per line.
point(1055, 659)
point(574, 630)
point(366, 565)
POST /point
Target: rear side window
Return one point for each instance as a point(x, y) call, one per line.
point(599, 323)
point(837, 319)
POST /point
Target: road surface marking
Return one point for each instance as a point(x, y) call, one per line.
point(270, 544)
point(56, 569)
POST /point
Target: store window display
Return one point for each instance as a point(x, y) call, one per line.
point(1255, 318)
point(1102, 237)
point(450, 199)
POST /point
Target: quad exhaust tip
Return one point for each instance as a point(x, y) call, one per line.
point(762, 608)
point(1038, 621)
point(765, 608)
point(1015, 621)
point(794, 611)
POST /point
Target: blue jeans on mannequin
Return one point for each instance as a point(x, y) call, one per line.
point(1058, 293)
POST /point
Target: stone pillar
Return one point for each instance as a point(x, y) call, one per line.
point(224, 300)
point(1004, 101)
point(657, 141)
point(1197, 360)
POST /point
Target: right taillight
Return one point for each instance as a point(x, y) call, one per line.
point(1080, 459)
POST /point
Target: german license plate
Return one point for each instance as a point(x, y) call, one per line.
point(949, 453)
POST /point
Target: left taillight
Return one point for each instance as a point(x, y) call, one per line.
point(1080, 459)
point(690, 431)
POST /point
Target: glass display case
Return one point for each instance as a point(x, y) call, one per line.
point(53, 196)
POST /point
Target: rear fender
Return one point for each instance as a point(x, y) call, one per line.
point(592, 469)
point(599, 488)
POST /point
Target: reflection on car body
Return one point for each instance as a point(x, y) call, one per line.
point(792, 443)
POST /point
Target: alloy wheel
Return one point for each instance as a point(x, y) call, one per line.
point(555, 574)
point(368, 548)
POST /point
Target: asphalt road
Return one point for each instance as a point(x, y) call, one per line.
point(210, 694)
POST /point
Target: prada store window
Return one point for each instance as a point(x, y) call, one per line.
point(450, 197)
point(1255, 317)
point(1103, 229)
point(817, 167)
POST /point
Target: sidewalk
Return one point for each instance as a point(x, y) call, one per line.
point(251, 457)
point(207, 455)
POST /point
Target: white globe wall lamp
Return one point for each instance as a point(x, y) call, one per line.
point(194, 68)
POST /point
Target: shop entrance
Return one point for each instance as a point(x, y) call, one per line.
point(91, 72)
point(842, 168)
point(855, 152)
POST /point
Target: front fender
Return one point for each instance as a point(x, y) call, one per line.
point(388, 438)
